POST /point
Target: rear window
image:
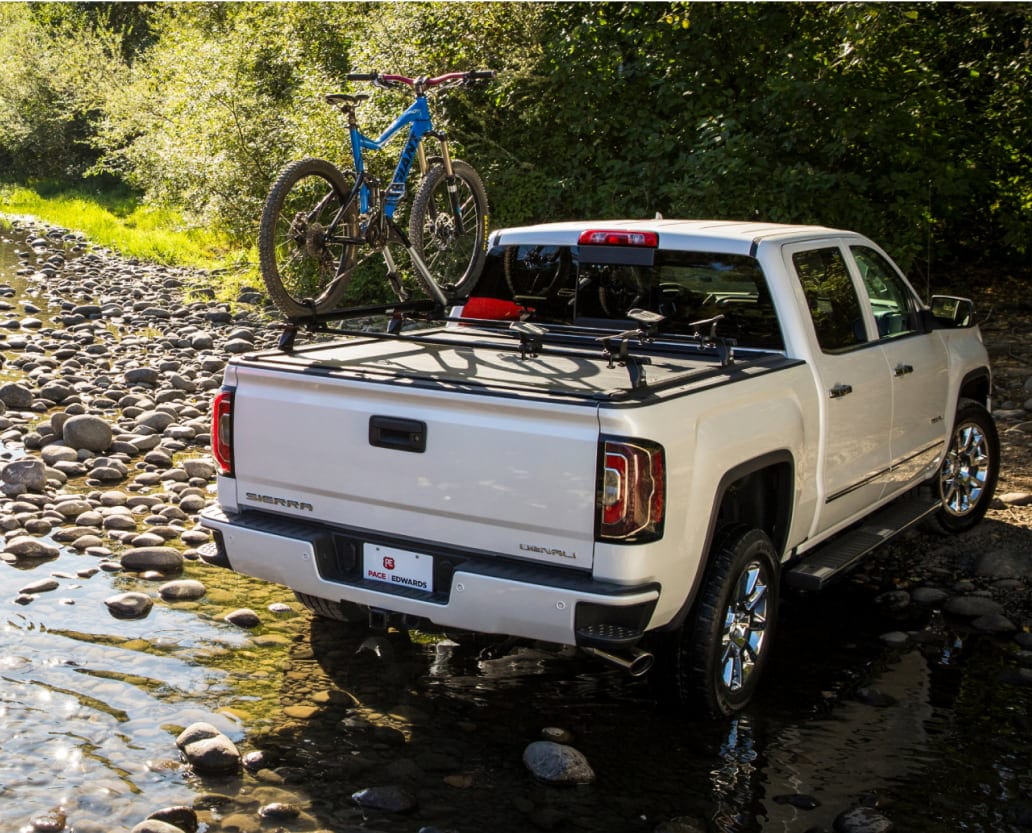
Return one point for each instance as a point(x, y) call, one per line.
point(570, 285)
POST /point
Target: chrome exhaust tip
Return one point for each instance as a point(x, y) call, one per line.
point(636, 663)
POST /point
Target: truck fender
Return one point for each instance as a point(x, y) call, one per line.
point(774, 520)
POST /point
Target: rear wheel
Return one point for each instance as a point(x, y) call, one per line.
point(307, 238)
point(453, 251)
point(713, 663)
point(967, 477)
point(534, 271)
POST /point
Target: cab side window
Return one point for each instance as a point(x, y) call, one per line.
point(838, 319)
point(894, 306)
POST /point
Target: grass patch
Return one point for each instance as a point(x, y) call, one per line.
point(115, 218)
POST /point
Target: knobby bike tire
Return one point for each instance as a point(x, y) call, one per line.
point(455, 260)
point(301, 249)
point(534, 271)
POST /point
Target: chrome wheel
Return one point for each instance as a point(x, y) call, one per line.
point(745, 627)
point(714, 662)
point(966, 470)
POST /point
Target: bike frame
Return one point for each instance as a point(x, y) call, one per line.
point(417, 119)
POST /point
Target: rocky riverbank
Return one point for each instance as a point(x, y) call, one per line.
point(105, 423)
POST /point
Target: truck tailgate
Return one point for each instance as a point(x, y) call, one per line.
point(495, 474)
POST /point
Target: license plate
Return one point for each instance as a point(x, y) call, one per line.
point(399, 568)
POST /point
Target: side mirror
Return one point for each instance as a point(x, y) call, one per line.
point(951, 312)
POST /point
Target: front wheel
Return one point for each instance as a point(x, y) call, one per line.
point(967, 477)
point(308, 238)
point(448, 226)
point(712, 664)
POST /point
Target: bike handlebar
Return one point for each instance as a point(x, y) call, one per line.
point(449, 78)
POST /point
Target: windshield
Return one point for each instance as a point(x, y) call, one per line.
point(574, 285)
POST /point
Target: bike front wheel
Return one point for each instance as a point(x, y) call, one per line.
point(308, 238)
point(451, 236)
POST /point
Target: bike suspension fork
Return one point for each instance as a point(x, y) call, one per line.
point(451, 182)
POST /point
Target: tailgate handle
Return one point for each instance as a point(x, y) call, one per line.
point(399, 434)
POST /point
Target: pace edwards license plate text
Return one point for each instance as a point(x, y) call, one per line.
point(398, 567)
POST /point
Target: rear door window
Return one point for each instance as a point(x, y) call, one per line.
point(831, 297)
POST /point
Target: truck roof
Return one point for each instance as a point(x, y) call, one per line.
point(727, 236)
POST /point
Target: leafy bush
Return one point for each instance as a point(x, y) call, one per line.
point(899, 120)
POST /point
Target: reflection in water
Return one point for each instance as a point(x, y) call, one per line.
point(90, 705)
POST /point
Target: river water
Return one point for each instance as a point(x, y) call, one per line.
point(931, 734)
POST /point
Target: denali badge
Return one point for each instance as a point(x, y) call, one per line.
point(280, 501)
point(547, 551)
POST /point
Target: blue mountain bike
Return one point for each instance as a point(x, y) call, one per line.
point(318, 218)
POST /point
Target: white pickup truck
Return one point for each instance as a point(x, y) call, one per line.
point(629, 440)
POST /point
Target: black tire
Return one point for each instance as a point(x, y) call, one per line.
point(307, 238)
point(966, 480)
point(455, 260)
point(353, 614)
point(534, 271)
point(712, 664)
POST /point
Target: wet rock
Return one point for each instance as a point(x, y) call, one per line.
point(52, 821)
point(156, 420)
point(238, 345)
point(156, 826)
point(181, 590)
point(862, 820)
point(994, 623)
point(1001, 564)
point(1015, 498)
point(162, 559)
point(54, 454)
point(243, 618)
point(142, 376)
point(25, 546)
point(279, 811)
point(557, 763)
point(89, 432)
point(557, 735)
point(129, 605)
point(184, 818)
point(16, 396)
point(255, 760)
point(207, 750)
point(28, 474)
point(204, 469)
point(42, 586)
point(929, 596)
point(971, 607)
point(389, 799)
point(301, 712)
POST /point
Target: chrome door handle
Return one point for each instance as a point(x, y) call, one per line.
point(840, 390)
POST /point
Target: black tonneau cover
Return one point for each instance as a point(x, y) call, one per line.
point(476, 360)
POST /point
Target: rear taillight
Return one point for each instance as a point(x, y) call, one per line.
point(615, 237)
point(222, 431)
point(631, 491)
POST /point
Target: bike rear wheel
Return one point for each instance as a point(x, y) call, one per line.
point(307, 239)
point(453, 253)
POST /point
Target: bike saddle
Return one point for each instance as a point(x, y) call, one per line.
point(342, 98)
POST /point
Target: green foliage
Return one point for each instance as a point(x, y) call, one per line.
point(116, 218)
point(898, 120)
